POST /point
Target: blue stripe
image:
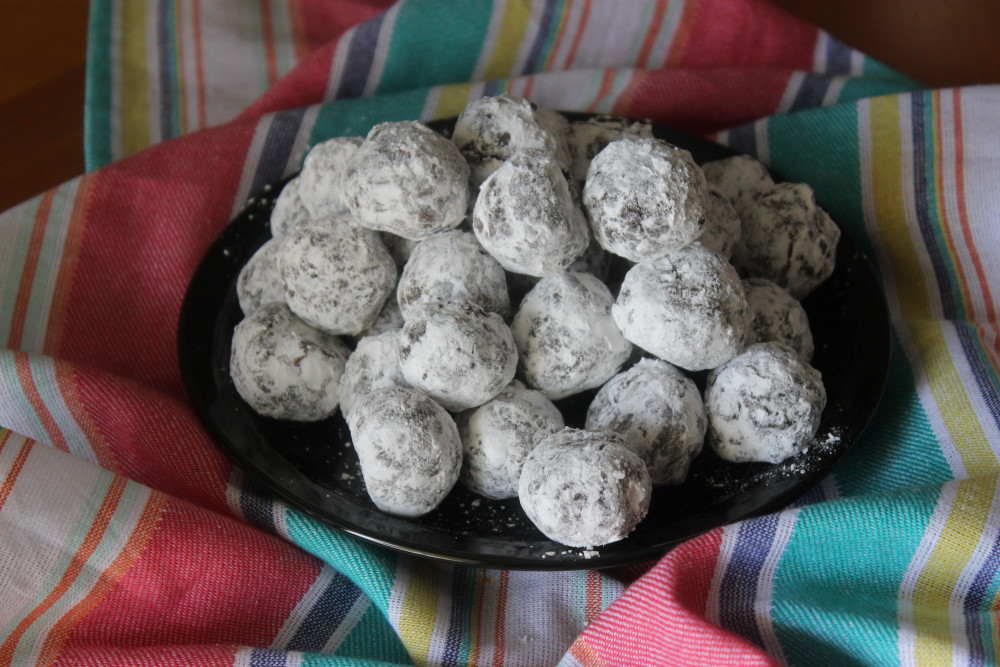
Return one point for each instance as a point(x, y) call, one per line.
point(360, 56)
point(265, 657)
point(739, 584)
point(531, 64)
point(167, 59)
point(256, 505)
point(460, 590)
point(743, 139)
point(986, 380)
point(838, 57)
point(326, 615)
point(811, 92)
point(974, 605)
point(277, 148)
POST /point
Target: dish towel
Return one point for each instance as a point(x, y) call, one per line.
point(127, 538)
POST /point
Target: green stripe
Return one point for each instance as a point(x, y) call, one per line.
point(857, 88)
point(836, 586)
point(435, 43)
point(97, 108)
point(558, 16)
point(899, 448)
point(355, 117)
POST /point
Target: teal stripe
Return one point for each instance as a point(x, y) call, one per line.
point(836, 586)
point(355, 117)
point(873, 69)
point(435, 43)
point(857, 88)
point(899, 448)
point(97, 108)
point(17, 251)
point(372, 642)
point(558, 16)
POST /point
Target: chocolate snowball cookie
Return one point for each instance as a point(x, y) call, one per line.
point(566, 338)
point(764, 405)
point(584, 488)
point(459, 354)
point(407, 179)
point(741, 179)
point(775, 315)
point(259, 281)
point(722, 226)
point(284, 368)
point(321, 184)
point(587, 138)
point(289, 212)
point(374, 364)
point(491, 129)
point(687, 307)
point(409, 450)
point(337, 275)
point(787, 239)
point(644, 198)
point(499, 434)
point(659, 413)
point(526, 217)
point(451, 267)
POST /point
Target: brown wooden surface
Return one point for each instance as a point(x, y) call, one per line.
point(43, 51)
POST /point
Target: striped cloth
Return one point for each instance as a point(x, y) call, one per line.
point(126, 538)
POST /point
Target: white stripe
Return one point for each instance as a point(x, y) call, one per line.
point(917, 565)
point(300, 612)
point(489, 41)
point(429, 110)
point(857, 63)
point(301, 143)
point(760, 138)
point(153, 73)
point(765, 583)
point(43, 369)
point(338, 65)
point(671, 22)
point(727, 547)
point(381, 50)
point(570, 27)
point(234, 491)
point(791, 90)
point(834, 89)
point(250, 164)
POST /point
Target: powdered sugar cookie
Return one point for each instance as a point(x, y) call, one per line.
point(740, 178)
point(259, 281)
point(374, 364)
point(321, 184)
point(775, 315)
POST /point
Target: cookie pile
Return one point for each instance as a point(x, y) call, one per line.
point(445, 294)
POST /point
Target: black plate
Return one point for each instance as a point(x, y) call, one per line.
point(313, 467)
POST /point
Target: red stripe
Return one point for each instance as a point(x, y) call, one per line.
point(267, 28)
point(655, 25)
point(501, 622)
point(27, 381)
point(30, 268)
point(593, 604)
point(606, 82)
point(15, 468)
point(97, 529)
point(684, 31)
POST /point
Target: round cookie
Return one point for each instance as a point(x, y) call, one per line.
point(741, 179)
point(644, 198)
point(566, 338)
point(775, 315)
point(460, 355)
point(526, 217)
point(259, 281)
point(284, 368)
point(587, 138)
point(491, 129)
point(722, 225)
point(321, 184)
point(407, 179)
point(658, 411)
point(687, 307)
point(409, 450)
point(374, 364)
point(336, 275)
point(584, 488)
point(787, 239)
point(451, 267)
point(499, 434)
point(289, 212)
point(764, 405)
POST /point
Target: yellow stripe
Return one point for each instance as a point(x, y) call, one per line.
point(419, 613)
point(452, 100)
point(936, 583)
point(134, 81)
point(509, 38)
point(927, 333)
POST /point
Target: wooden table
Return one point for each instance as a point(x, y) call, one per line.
point(43, 51)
